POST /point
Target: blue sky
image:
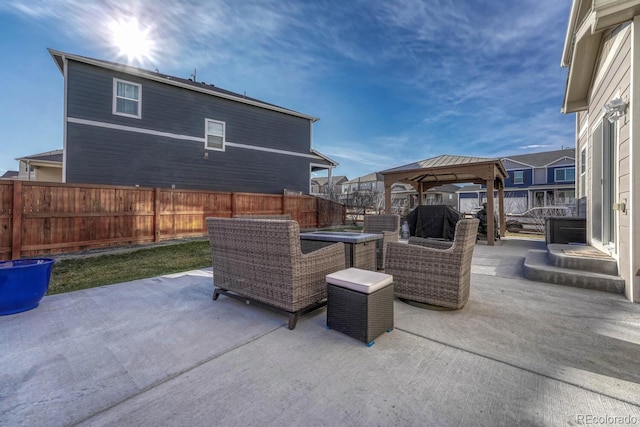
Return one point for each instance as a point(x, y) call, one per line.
point(392, 81)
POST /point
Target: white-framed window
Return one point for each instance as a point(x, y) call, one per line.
point(127, 98)
point(518, 177)
point(565, 174)
point(214, 135)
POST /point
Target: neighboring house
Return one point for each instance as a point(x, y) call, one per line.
point(9, 175)
point(404, 197)
point(537, 179)
point(128, 126)
point(372, 183)
point(41, 167)
point(319, 186)
point(602, 53)
point(367, 190)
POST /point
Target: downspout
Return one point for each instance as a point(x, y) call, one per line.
point(633, 274)
point(64, 118)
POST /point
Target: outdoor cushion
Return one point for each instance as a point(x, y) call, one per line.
point(363, 281)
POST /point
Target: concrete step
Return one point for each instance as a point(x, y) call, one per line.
point(538, 267)
point(584, 258)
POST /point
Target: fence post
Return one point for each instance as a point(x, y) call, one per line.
point(233, 205)
point(156, 214)
point(317, 203)
point(16, 221)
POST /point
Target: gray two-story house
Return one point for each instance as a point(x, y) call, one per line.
point(128, 126)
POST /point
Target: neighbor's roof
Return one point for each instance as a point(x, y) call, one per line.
point(54, 156)
point(202, 87)
point(373, 176)
point(545, 158)
point(9, 174)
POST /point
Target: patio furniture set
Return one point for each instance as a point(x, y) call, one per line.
point(267, 261)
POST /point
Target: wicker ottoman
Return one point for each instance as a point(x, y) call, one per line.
point(360, 303)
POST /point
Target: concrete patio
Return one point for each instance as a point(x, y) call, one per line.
point(161, 352)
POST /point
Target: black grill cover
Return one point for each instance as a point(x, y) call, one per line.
point(437, 221)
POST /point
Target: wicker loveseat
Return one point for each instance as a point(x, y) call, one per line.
point(388, 226)
point(434, 272)
point(260, 260)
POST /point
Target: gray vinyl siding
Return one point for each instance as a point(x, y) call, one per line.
point(114, 157)
point(106, 156)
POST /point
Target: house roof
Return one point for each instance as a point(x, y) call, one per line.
point(202, 87)
point(542, 159)
point(9, 175)
point(54, 156)
point(587, 21)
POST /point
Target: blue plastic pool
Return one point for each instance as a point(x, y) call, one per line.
point(23, 284)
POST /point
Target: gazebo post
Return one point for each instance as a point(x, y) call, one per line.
point(491, 230)
point(502, 216)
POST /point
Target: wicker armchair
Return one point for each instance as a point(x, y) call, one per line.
point(259, 260)
point(434, 272)
point(388, 226)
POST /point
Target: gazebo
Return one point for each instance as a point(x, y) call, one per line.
point(446, 169)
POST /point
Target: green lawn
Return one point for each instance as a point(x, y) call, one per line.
point(82, 273)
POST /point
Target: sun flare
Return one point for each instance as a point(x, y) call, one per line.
point(132, 40)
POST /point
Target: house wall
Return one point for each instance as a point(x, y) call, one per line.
point(527, 177)
point(99, 153)
point(540, 176)
point(49, 174)
point(612, 77)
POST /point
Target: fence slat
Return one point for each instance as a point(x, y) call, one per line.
point(16, 223)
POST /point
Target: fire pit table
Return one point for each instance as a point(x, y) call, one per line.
point(360, 248)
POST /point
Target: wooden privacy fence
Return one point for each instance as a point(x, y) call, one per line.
point(44, 218)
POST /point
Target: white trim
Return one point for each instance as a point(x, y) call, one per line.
point(583, 175)
point(185, 137)
point(584, 128)
point(115, 98)
point(633, 281)
point(516, 161)
point(559, 168)
point(206, 134)
point(273, 150)
point(563, 158)
point(134, 129)
point(521, 181)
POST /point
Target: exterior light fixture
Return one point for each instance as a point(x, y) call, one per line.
point(614, 109)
